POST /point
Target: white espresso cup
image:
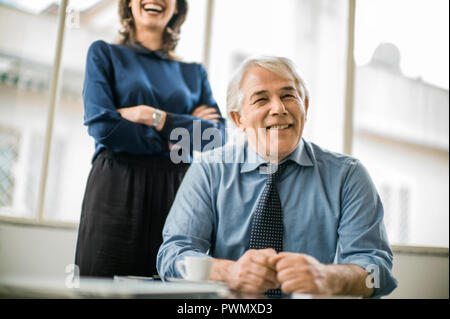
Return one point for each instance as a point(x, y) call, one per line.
point(194, 268)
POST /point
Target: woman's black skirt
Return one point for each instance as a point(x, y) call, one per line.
point(125, 205)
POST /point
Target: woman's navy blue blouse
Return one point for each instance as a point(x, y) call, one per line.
point(121, 76)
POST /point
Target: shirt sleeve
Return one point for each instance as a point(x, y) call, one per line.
point(104, 123)
point(362, 236)
point(189, 225)
point(201, 132)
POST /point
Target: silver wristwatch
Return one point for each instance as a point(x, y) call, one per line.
point(157, 117)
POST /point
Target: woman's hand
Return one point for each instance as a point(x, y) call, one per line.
point(142, 114)
point(207, 113)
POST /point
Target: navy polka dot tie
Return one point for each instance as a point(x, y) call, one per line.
point(267, 224)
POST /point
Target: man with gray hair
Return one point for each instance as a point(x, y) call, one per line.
point(297, 218)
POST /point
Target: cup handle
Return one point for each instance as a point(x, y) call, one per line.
point(179, 266)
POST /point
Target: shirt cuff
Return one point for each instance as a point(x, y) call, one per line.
point(168, 124)
point(384, 282)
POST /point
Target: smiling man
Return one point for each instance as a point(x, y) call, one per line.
point(274, 114)
point(299, 218)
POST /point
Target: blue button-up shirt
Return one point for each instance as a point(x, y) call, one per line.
point(331, 210)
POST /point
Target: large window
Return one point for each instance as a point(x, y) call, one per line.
point(27, 48)
point(400, 100)
point(311, 33)
point(26, 58)
point(401, 122)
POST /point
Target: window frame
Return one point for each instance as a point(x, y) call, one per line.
point(41, 221)
point(55, 80)
point(55, 83)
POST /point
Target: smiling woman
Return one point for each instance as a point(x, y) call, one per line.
point(133, 182)
point(137, 14)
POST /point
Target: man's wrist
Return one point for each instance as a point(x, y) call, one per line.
point(347, 280)
point(335, 280)
point(220, 269)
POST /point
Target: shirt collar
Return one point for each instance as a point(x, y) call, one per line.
point(253, 160)
point(141, 49)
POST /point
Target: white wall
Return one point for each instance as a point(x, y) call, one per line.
point(35, 251)
point(45, 252)
point(421, 272)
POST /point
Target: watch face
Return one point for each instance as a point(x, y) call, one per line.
point(156, 118)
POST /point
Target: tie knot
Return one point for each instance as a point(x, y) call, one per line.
point(274, 171)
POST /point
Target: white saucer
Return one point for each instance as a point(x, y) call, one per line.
point(174, 279)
